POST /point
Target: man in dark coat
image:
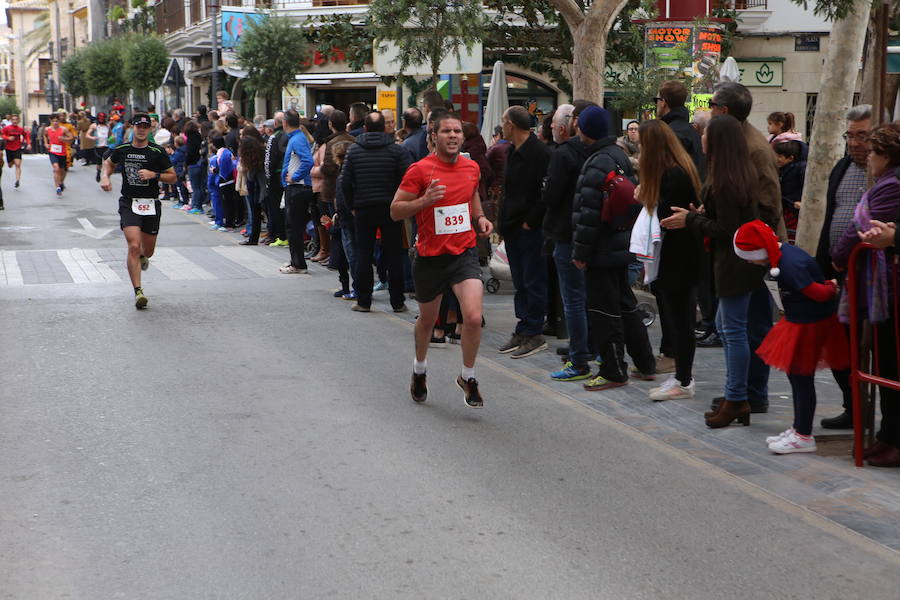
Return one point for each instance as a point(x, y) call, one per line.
point(372, 172)
point(600, 248)
point(670, 109)
point(521, 217)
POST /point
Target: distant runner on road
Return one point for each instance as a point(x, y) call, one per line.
point(57, 139)
point(15, 138)
point(144, 166)
point(441, 190)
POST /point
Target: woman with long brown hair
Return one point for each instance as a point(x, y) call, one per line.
point(251, 179)
point(744, 316)
point(668, 179)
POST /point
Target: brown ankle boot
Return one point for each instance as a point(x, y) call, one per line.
point(728, 412)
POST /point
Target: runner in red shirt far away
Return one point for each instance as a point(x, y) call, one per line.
point(15, 137)
point(441, 190)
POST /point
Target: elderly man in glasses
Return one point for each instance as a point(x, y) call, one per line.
point(846, 185)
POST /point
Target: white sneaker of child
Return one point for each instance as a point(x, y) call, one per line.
point(774, 438)
point(793, 442)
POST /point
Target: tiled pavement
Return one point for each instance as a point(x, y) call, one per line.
point(865, 500)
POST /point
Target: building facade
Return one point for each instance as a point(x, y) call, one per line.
point(32, 67)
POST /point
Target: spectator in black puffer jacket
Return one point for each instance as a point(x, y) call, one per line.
point(372, 172)
point(596, 246)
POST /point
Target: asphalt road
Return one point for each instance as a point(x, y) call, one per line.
point(248, 436)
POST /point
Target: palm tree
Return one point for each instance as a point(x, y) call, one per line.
point(38, 39)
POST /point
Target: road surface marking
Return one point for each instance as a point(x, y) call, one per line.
point(176, 267)
point(254, 261)
point(10, 274)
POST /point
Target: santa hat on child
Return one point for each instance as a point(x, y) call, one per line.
point(756, 241)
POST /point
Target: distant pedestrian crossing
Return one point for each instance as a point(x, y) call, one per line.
point(107, 265)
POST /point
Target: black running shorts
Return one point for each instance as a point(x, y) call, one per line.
point(434, 275)
point(127, 218)
point(12, 155)
point(62, 161)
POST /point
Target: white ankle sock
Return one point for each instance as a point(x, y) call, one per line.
point(467, 373)
point(419, 367)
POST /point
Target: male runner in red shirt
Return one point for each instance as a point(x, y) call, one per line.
point(57, 138)
point(441, 190)
point(15, 137)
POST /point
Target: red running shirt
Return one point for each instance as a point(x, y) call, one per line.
point(57, 146)
point(446, 226)
point(18, 135)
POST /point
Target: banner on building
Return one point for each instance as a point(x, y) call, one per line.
point(676, 46)
point(669, 44)
point(234, 24)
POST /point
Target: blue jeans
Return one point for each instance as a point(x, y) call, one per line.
point(573, 289)
point(743, 321)
point(197, 174)
point(529, 275)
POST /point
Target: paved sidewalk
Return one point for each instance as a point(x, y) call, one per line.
point(865, 500)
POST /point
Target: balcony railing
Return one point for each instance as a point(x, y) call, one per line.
point(740, 4)
point(170, 16)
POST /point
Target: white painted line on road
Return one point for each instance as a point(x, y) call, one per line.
point(103, 269)
point(178, 268)
point(250, 259)
point(72, 266)
point(10, 274)
point(85, 266)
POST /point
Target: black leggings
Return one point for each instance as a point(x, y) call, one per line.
point(804, 390)
point(678, 308)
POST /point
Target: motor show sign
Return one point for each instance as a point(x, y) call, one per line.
point(673, 45)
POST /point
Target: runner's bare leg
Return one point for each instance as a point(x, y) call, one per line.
point(428, 314)
point(133, 237)
point(470, 294)
point(18, 163)
point(148, 244)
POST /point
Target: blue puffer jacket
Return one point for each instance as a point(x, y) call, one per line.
point(593, 241)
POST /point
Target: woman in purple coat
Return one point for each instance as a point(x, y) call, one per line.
point(880, 203)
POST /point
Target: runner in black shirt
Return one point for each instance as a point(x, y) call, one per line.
point(144, 165)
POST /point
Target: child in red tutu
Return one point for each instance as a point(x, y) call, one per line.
point(809, 337)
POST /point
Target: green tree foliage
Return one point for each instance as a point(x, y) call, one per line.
point(8, 106)
point(145, 62)
point(543, 44)
point(426, 31)
point(72, 74)
point(142, 19)
point(271, 52)
point(104, 67)
point(336, 38)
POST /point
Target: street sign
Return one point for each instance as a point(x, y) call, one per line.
point(387, 99)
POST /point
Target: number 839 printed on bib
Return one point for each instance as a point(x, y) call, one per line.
point(452, 219)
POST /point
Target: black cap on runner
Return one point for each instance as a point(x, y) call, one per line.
point(141, 119)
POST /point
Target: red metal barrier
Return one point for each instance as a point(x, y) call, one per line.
point(857, 375)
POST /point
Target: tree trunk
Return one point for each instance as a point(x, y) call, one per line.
point(869, 88)
point(845, 44)
point(588, 64)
